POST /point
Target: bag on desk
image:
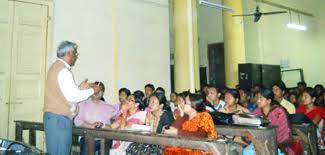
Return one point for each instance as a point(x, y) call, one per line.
point(220, 118)
point(250, 120)
point(299, 118)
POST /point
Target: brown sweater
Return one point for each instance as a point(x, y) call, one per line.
point(55, 101)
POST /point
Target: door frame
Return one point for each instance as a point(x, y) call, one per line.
point(48, 46)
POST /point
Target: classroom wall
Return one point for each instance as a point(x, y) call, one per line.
point(210, 25)
point(124, 43)
point(269, 41)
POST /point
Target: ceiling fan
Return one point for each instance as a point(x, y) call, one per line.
point(257, 14)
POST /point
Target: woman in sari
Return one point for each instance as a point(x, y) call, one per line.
point(277, 116)
point(131, 114)
point(159, 115)
point(313, 112)
point(232, 98)
point(195, 123)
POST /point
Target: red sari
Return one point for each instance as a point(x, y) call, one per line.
point(201, 126)
point(312, 114)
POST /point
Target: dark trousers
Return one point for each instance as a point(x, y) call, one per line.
point(97, 146)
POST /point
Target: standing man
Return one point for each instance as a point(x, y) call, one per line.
point(61, 95)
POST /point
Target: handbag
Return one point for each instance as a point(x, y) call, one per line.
point(220, 118)
point(144, 149)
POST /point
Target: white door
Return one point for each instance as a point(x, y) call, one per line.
point(4, 66)
point(28, 63)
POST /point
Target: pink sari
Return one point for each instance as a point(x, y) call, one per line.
point(278, 118)
point(118, 146)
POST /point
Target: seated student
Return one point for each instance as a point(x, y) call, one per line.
point(159, 114)
point(212, 99)
point(195, 123)
point(301, 87)
point(204, 90)
point(140, 94)
point(293, 98)
point(232, 106)
point(268, 108)
point(255, 91)
point(160, 90)
point(278, 91)
point(132, 114)
point(314, 113)
point(178, 112)
point(172, 101)
point(123, 95)
point(319, 89)
point(148, 90)
point(245, 97)
point(94, 113)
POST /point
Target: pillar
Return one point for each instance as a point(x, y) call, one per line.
point(187, 76)
point(234, 42)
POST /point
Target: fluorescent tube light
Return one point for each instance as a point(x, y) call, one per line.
point(296, 26)
point(215, 5)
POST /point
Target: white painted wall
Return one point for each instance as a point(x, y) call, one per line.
point(136, 32)
point(270, 41)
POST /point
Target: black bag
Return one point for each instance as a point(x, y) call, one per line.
point(220, 118)
point(299, 118)
point(144, 149)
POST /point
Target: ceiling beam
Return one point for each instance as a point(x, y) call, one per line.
point(286, 8)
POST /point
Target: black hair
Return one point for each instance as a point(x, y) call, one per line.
point(247, 92)
point(320, 86)
point(294, 94)
point(139, 93)
point(174, 93)
point(197, 102)
point(281, 85)
point(124, 90)
point(183, 95)
point(268, 94)
point(139, 100)
point(160, 89)
point(311, 92)
point(151, 86)
point(101, 85)
point(162, 100)
point(303, 83)
point(261, 86)
point(234, 93)
point(212, 86)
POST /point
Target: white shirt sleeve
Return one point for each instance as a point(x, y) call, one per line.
point(69, 88)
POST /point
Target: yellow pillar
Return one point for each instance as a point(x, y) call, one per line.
point(234, 41)
point(187, 75)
